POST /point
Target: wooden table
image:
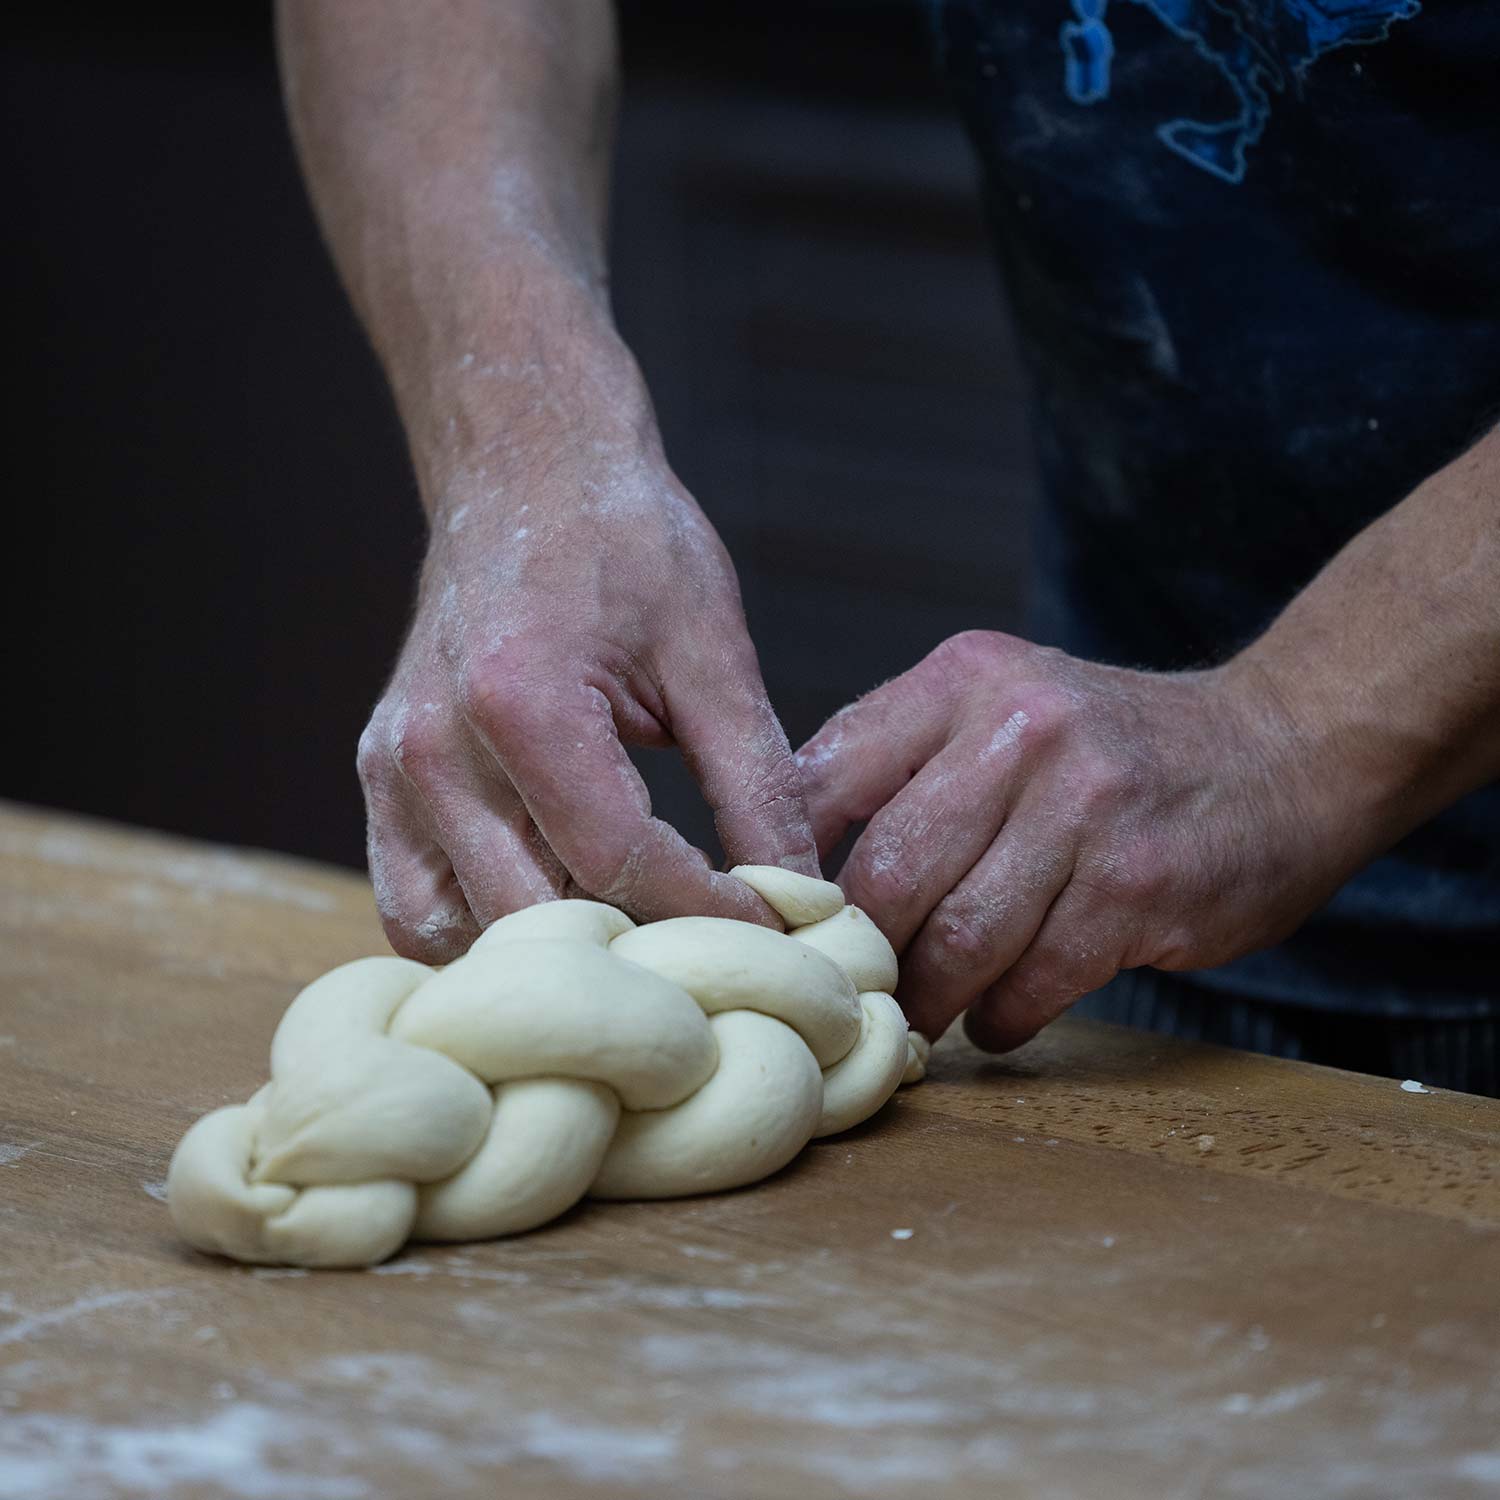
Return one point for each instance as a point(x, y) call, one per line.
point(1109, 1265)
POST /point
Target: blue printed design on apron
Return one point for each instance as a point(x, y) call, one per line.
point(1259, 47)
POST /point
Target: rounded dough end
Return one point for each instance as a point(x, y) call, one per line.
point(212, 1201)
point(218, 1209)
point(918, 1049)
point(345, 1225)
point(796, 899)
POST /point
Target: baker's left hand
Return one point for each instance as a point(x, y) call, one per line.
point(1037, 823)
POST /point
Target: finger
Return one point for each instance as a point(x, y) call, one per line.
point(920, 845)
point(986, 922)
point(556, 740)
point(421, 905)
point(473, 812)
point(1077, 949)
point(738, 753)
point(500, 859)
point(868, 751)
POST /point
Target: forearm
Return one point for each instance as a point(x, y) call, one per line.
point(457, 155)
point(1385, 670)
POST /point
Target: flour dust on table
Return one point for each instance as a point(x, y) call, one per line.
point(569, 1053)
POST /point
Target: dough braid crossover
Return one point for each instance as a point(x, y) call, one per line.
point(568, 1053)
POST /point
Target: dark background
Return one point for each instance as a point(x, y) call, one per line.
point(214, 526)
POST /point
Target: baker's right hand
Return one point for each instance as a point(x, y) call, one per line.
point(574, 600)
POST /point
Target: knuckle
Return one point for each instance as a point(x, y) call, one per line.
point(608, 872)
point(1134, 874)
point(877, 884)
point(491, 693)
point(419, 748)
point(498, 690)
point(386, 790)
point(372, 754)
point(960, 943)
point(774, 782)
point(969, 652)
point(1050, 710)
point(1033, 686)
point(1102, 782)
point(817, 762)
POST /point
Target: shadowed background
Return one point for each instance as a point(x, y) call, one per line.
point(215, 528)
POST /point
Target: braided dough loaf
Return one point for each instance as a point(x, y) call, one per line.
point(569, 1053)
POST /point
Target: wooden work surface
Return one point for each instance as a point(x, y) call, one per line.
point(1107, 1266)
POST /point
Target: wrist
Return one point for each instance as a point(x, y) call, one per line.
point(1341, 783)
point(517, 364)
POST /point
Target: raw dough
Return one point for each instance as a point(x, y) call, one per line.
point(569, 1053)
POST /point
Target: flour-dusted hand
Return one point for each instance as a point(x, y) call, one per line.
point(575, 601)
point(1037, 823)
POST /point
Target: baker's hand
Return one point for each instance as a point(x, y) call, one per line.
point(574, 601)
point(1038, 823)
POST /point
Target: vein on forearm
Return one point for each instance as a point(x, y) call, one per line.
point(1388, 664)
point(457, 155)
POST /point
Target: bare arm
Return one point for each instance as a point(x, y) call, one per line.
point(458, 159)
point(575, 598)
point(1037, 823)
point(1386, 668)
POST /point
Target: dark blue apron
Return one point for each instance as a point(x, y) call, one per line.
point(1254, 254)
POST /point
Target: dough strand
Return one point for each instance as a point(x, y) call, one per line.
point(570, 1053)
